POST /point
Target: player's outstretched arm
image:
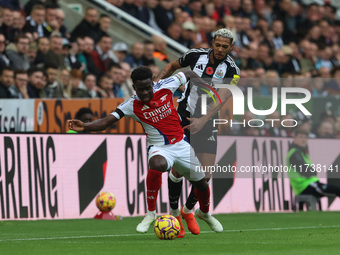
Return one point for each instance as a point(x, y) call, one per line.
point(97, 125)
point(168, 70)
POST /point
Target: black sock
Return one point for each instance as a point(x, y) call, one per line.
point(175, 189)
point(192, 199)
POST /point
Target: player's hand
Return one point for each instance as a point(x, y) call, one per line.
point(76, 125)
point(195, 125)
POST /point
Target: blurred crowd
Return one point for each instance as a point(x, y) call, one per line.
point(277, 43)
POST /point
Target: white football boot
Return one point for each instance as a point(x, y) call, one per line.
point(146, 222)
point(213, 223)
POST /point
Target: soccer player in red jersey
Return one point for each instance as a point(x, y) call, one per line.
point(168, 147)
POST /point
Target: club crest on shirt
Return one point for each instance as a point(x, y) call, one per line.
point(219, 74)
point(163, 98)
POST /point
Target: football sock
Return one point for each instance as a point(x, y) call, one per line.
point(175, 189)
point(204, 199)
point(192, 198)
point(186, 210)
point(153, 184)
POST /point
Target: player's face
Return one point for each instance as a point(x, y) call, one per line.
point(221, 46)
point(144, 90)
point(301, 140)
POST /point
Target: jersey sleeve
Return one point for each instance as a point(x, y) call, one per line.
point(124, 109)
point(233, 74)
point(188, 58)
point(172, 83)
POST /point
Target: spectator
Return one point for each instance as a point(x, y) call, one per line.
point(36, 83)
point(90, 82)
point(54, 55)
point(76, 80)
point(333, 86)
point(135, 57)
point(137, 9)
point(70, 51)
point(6, 80)
point(147, 57)
point(126, 86)
point(160, 49)
point(60, 16)
point(88, 48)
point(100, 56)
point(318, 87)
point(64, 80)
point(155, 71)
point(88, 26)
point(150, 7)
point(19, 88)
point(119, 52)
point(102, 27)
point(35, 23)
point(187, 38)
point(43, 46)
point(116, 73)
point(53, 88)
point(194, 8)
point(164, 14)
point(17, 54)
point(106, 86)
point(174, 31)
point(7, 24)
point(4, 60)
point(325, 130)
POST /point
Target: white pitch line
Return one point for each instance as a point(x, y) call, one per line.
point(149, 234)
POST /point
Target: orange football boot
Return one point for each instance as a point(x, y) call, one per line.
point(182, 231)
point(193, 225)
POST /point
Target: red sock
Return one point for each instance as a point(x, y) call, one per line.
point(204, 199)
point(153, 184)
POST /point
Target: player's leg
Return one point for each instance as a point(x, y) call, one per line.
point(175, 181)
point(157, 165)
point(202, 191)
point(206, 159)
point(188, 165)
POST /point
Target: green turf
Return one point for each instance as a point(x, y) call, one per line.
point(279, 233)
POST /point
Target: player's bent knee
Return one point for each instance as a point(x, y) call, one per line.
point(159, 163)
point(201, 185)
point(175, 173)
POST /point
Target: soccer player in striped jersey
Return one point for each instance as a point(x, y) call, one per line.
point(216, 66)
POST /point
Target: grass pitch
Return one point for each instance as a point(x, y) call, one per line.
point(265, 233)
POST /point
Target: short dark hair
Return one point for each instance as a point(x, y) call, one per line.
point(301, 131)
point(33, 70)
point(141, 73)
point(83, 111)
point(19, 71)
point(8, 68)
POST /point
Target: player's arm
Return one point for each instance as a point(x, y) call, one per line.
point(168, 70)
point(97, 125)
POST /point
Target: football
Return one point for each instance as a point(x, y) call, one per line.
point(167, 227)
point(105, 201)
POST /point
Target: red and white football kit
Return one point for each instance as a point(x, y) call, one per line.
point(162, 126)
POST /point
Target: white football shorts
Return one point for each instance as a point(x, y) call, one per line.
point(182, 157)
